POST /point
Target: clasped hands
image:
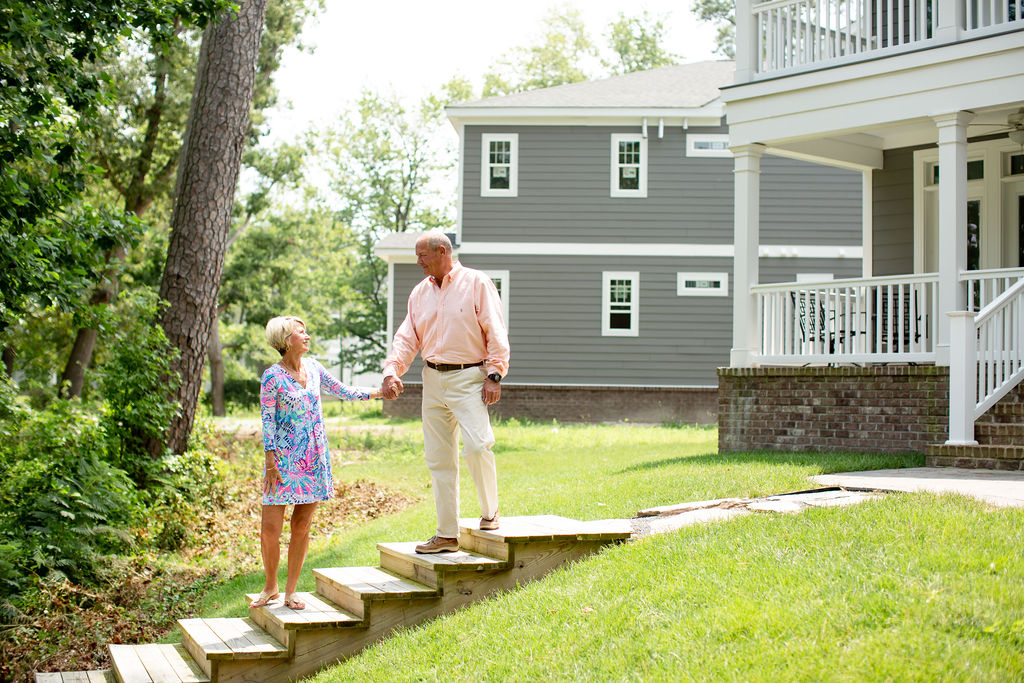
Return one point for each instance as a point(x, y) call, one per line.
point(392, 387)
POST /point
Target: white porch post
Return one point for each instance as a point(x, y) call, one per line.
point(746, 241)
point(867, 207)
point(963, 383)
point(746, 43)
point(952, 223)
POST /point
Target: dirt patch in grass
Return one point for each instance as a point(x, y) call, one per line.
point(63, 627)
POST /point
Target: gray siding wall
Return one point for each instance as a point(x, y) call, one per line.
point(564, 182)
point(892, 189)
point(555, 318)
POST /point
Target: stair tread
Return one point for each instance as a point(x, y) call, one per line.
point(319, 613)
point(549, 528)
point(95, 676)
point(441, 562)
point(167, 663)
point(232, 638)
point(373, 583)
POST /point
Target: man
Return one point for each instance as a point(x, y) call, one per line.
point(454, 320)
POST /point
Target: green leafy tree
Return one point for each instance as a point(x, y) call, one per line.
point(638, 44)
point(556, 59)
point(721, 14)
point(382, 160)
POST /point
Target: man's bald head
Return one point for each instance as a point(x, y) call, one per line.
point(435, 239)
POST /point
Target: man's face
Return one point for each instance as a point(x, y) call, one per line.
point(430, 260)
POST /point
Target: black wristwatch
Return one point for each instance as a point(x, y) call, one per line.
point(494, 377)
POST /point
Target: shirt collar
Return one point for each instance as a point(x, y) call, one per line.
point(456, 269)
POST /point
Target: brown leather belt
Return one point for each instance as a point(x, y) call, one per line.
point(448, 367)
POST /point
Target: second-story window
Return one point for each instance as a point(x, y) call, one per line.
point(499, 165)
point(629, 166)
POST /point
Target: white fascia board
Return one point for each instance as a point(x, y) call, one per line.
point(652, 249)
point(710, 115)
point(865, 97)
point(396, 255)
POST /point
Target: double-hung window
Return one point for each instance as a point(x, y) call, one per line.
point(620, 304)
point(499, 165)
point(629, 165)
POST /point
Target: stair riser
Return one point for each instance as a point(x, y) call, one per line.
point(486, 546)
point(197, 653)
point(409, 569)
point(974, 463)
point(341, 597)
point(284, 636)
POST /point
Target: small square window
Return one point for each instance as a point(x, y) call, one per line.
point(499, 165)
point(1017, 164)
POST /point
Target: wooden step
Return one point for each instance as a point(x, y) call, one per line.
point(211, 641)
point(165, 663)
point(105, 676)
point(537, 529)
point(402, 559)
point(354, 587)
point(280, 621)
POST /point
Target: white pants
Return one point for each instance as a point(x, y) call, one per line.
point(453, 402)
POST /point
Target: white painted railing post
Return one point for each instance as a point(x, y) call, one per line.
point(746, 42)
point(951, 17)
point(963, 378)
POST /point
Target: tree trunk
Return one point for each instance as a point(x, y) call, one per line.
point(216, 370)
point(8, 360)
point(207, 176)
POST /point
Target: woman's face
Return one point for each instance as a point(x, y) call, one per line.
point(299, 340)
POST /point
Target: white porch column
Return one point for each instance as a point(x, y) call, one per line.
point(867, 218)
point(746, 241)
point(746, 43)
point(952, 223)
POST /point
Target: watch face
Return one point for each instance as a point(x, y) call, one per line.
point(494, 377)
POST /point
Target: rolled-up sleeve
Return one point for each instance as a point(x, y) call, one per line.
point(492, 325)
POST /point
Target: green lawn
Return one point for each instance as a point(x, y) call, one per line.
point(912, 587)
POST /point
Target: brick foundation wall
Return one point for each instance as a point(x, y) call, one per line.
point(879, 409)
point(586, 404)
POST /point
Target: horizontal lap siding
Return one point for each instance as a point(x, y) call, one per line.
point(564, 180)
point(893, 213)
point(555, 318)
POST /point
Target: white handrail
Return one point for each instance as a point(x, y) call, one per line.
point(986, 360)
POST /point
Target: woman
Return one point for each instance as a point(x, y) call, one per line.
point(297, 470)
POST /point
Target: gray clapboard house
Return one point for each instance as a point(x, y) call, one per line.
point(604, 212)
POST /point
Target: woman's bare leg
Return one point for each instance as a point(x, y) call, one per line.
point(272, 520)
point(302, 520)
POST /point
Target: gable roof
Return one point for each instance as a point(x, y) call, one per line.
point(682, 86)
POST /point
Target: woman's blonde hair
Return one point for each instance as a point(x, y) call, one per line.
point(280, 328)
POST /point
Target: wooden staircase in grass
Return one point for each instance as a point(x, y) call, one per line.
point(354, 607)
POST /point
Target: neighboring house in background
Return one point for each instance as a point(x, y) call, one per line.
point(603, 210)
point(932, 339)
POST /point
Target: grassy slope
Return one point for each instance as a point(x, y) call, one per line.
point(893, 589)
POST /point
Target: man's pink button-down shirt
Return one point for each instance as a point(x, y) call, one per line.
point(458, 322)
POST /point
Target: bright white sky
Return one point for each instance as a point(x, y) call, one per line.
point(414, 46)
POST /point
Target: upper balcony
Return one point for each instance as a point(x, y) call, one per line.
point(782, 37)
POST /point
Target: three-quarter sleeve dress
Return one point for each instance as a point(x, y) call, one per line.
point(293, 426)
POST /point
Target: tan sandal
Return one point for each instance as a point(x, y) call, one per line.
point(291, 601)
point(264, 598)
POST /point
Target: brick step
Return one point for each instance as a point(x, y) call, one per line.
point(999, 433)
point(164, 663)
point(982, 456)
point(1004, 412)
point(213, 641)
point(105, 676)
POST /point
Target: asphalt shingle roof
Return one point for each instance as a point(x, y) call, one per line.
point(679, 86)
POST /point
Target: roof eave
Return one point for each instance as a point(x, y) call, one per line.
point(706, 114)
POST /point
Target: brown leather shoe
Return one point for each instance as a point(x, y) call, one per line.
point(438, 544)
point(489, 524)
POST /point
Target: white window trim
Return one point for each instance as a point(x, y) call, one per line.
point(606, 303)
point(513, 167)
point(504, 277)
point(628, 137)
point(683, 290)
point(693, 138)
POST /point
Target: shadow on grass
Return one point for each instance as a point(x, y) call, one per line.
point(825, 462)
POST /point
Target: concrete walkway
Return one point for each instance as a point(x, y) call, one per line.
point(1003, 489)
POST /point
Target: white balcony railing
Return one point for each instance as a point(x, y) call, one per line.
point(868, 320)
point(986, 359)
point(983, 286)
point(788, 35)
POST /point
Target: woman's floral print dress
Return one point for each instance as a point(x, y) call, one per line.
point(293, 426)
